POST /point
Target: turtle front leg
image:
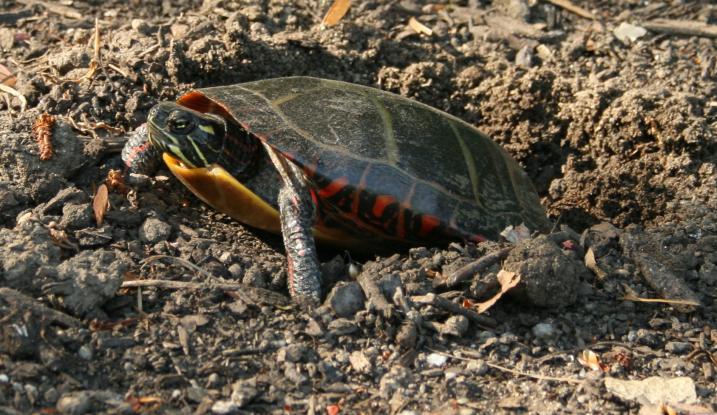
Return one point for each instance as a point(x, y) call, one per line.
point(296, 213)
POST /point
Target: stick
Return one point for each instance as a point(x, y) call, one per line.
point(252, 294)
point(567, 5)
point(450, 306)
point(55, 8)
point(468, 271)
point(681, 27)
point(375, 295)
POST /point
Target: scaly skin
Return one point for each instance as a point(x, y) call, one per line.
point(296, 213)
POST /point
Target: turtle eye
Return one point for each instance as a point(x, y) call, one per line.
point(180, 124)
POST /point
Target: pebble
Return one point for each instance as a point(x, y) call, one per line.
point(627, 33)
point(4, 378)
point(85, 352)
point(213, 380)
point(678, 347)
point(544, 331)
point(479, 367)
point(76, 216)
point(436, 360)
point(455, 326)
point(346, 299)
point(359, 362)
point(154, 230)
point(74, 403)
point(293, 353)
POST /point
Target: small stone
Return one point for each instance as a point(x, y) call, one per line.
point(236, 271)
point(74, 403)
point(224, 407)
point(256, 277)
point(213, 380)
point(154, 230)
point(342, 327)
point(455, 326)
point(678, 347)
point(196, 394)
point(4, 378)
point(76, 216)
point(330, 373)
point(627, 32)
point(32, 393)
point(51, 395)
point(524, 57)
point(346, 299)
point(85, 352)
point(293, 353)
point(359, 362)
point(436, 360)
point(544, 331)
point(479, 367)
point(654, 390)
point(141, 26)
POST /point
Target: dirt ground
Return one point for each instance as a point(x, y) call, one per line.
point(614, 117)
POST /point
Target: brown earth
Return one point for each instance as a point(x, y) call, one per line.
point(618, 135)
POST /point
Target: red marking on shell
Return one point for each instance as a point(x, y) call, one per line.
point(380, 204)
point(477, 238)
point(333, 187)
point(428, 224)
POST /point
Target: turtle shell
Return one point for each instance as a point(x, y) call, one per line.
point(381, 164)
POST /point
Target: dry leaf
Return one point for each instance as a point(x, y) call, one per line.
point(515, 234)
point(6, 76)
point(100, 204)
point(589, 359)
point(336, 12)
point(507, 281)
point(115, 181)
point(419, 27)
point(591, 264)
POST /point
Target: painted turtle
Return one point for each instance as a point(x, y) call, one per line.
point(365, 168)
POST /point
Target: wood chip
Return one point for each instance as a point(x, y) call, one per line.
point(419, 27)
point(100, 204)
point(336, 12)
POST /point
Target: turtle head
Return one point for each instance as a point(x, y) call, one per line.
point(194, 138)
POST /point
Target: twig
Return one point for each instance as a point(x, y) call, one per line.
point(508, 370)
point(253, 294)
point(450, 306)
point(681, 27)
point(469, 270)
point(374, 295)
point(22, 302)
point(148, 50)
point(567, 5)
